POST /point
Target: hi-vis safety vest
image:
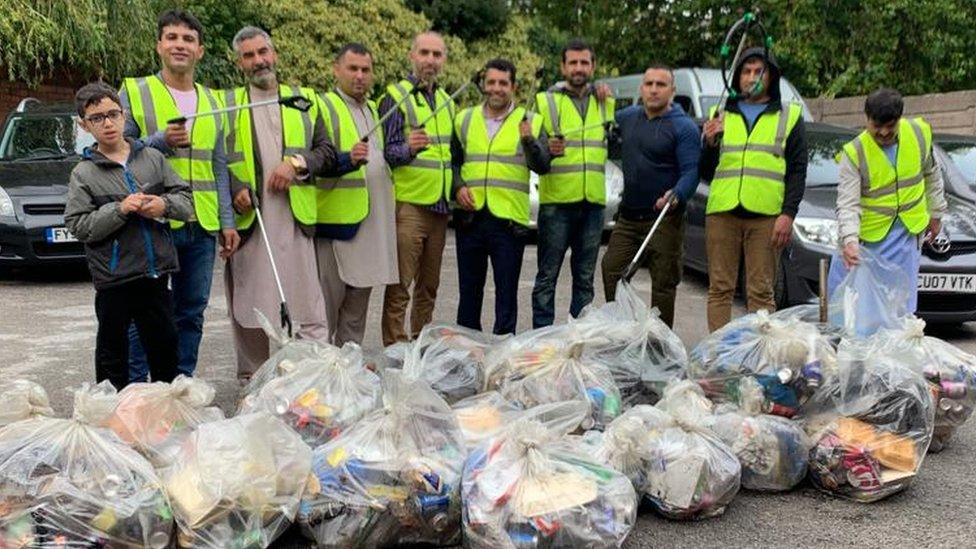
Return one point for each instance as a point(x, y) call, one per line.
point(297, 127)
point(892, 191)
point(427, 178)
point(152, 106)
point(752, 165)
point(579, 174)
point(495, 169)
point(345, 199)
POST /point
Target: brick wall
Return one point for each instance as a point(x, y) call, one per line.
point(953, 112)
point(11, 93)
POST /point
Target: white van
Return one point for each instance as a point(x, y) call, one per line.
point(696, 90)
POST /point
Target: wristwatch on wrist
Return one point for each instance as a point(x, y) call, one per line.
point(295, 162)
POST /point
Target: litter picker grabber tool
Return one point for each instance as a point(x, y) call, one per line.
point(631, 269)
point(285, 316)
point(748, 23)
point(539, 73)
point(475, 81)
point(388, 114)
point(299, 102)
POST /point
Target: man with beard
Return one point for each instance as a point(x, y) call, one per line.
point(755, 158)
point(659, 154)
point(573, 194)
point(494, 147)
point(195, 150)
point(356, 244)
point(273, 152)
point(420, 158)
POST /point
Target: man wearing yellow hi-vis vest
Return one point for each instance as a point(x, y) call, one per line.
point(418, 149)
point(274, 154)
point(356, 234)
point(195, 150)
point(757, 171)
point(890, 194)
point(573, 194)
point(495, 146)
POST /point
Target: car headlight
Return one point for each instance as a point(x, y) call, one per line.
point(819, 231)
point(6, 205)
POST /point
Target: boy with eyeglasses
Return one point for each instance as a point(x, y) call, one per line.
point(120, 199)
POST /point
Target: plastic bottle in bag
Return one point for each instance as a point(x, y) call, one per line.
point(154, 417)
point(950, 371)
point(531, 486)
point(789, 359)
point(317, 397)
point(392, 478)
point(549, 365)
point(630, 339)
point(68, 483)
point(450, 359)
point(237, 482)
point(871, 425)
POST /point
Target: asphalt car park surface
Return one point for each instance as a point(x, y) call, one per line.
point(47, 334)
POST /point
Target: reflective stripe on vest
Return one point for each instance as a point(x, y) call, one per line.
point(297, 127)
point(495, 169)
point(152, 105)
point(427, 178)
point(579, 173)
point(751, 167)
point(345, 199)
point(892, 191)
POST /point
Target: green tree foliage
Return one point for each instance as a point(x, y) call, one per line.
point(466, 19)
point(829, 47)
point(96, 38)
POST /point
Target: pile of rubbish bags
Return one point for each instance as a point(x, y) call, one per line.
point(70, 483)
point(549, 438)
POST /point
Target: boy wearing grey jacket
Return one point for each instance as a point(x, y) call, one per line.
point(120, 197)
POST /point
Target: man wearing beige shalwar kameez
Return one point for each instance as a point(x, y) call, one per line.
point(250, 283)
point(354, 257)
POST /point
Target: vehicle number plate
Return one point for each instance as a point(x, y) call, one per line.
point(57, 235)
point(947, 283)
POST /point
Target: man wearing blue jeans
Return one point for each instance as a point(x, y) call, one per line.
point(195, 150)
point(572, 195)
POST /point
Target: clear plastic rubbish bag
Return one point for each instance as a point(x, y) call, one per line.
point(532, 486)
point(549, 365)
point(772, 450)
point(950, 371)
point(630, 338)
point(286, 353)
point(871, 425)
point(318, 397)
point(484, 416)
point(154, 417)
point(788, 358)
point(450, 359)
point(69, 483)
point(393, 478)
point(873, 295)
point(810, 314)
point(237, 482)
point(21, 399)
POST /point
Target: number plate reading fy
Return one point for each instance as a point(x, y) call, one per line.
point(56, 235)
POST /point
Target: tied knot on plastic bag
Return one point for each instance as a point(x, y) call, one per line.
point(687, 405)
point(94, 404)
point(23, 399)
point(529, 438)
point(192, 392)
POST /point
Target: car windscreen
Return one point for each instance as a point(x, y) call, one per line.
point(33, 136)
point(822, 147)
point(963, 155)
